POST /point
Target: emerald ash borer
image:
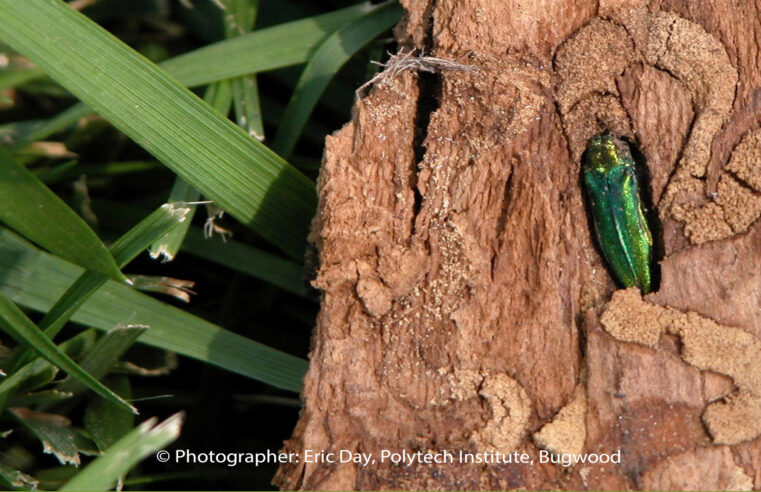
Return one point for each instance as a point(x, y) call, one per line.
point(616, 209)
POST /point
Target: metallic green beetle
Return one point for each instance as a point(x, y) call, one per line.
point(616, 208)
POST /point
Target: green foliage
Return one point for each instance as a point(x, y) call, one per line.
point(20, 328)
point(329, 57)
point(37, 213)
point(206, 149)
point(105, 471)
point(77, 340)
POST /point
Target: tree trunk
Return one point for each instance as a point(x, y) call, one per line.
point(466, 311)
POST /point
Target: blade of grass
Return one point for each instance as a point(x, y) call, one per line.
point(219, 95)
point(239, 20)
point(106, 422)
point(290, 43)
point(240, 16)
point(337, 97)
point(271, 48)
point(17, 479)
point(275, 47)
point(55, 433)
point(46, 398)
point(13, 78)
point(219, 159)
point(54, 478)
point(105, 471)
point(72, 170)
point(314, 129)
point(105, 353)
point(124, 250)
point(248, 111)
point(53, 125)
point(332, 54)
point(36, 279)
point(178, 288)
point(15, 323)
point(32, 375)
point(41, 130)
point(167, 246)
point(40, 372)
point(37, 213)
point(243, 258)
point(235, 255)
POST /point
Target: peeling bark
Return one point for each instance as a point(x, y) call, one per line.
point(464, 305)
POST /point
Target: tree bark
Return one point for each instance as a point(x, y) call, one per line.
point(465, 308)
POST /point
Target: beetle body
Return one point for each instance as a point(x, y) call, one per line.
point(616, 209)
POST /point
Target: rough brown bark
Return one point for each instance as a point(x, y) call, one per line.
point(464, 305)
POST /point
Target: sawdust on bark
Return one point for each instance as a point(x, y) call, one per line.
point(566, 434)
point(705, 345)
point(737, 203)
point(710, 468)
point(591, 67)
point(510, 411)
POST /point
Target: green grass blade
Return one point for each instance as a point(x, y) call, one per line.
point(243, 258)
point(235, 255)
point(287, 44)
point(219, 159)
point(106, 422)
point(56, 124)
point(332, 54)
point(105, 353)
point(335, 95)
point(30, 208)
point(20, 328)
point(146, 439)
point(248, 111)
point(61, 312)
point(72, 170)
point(271, 48)
point(40, 372)
point(55, 433)
point(239, 20)
point(314, 130)
point(140, 237)
point(13, 78)
point(124, 250)
point(30, 376)
point(167, 246)
point(219, 95)
point(275, 47)
point(36, 279)
point(17, 479)
point(45, 398)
